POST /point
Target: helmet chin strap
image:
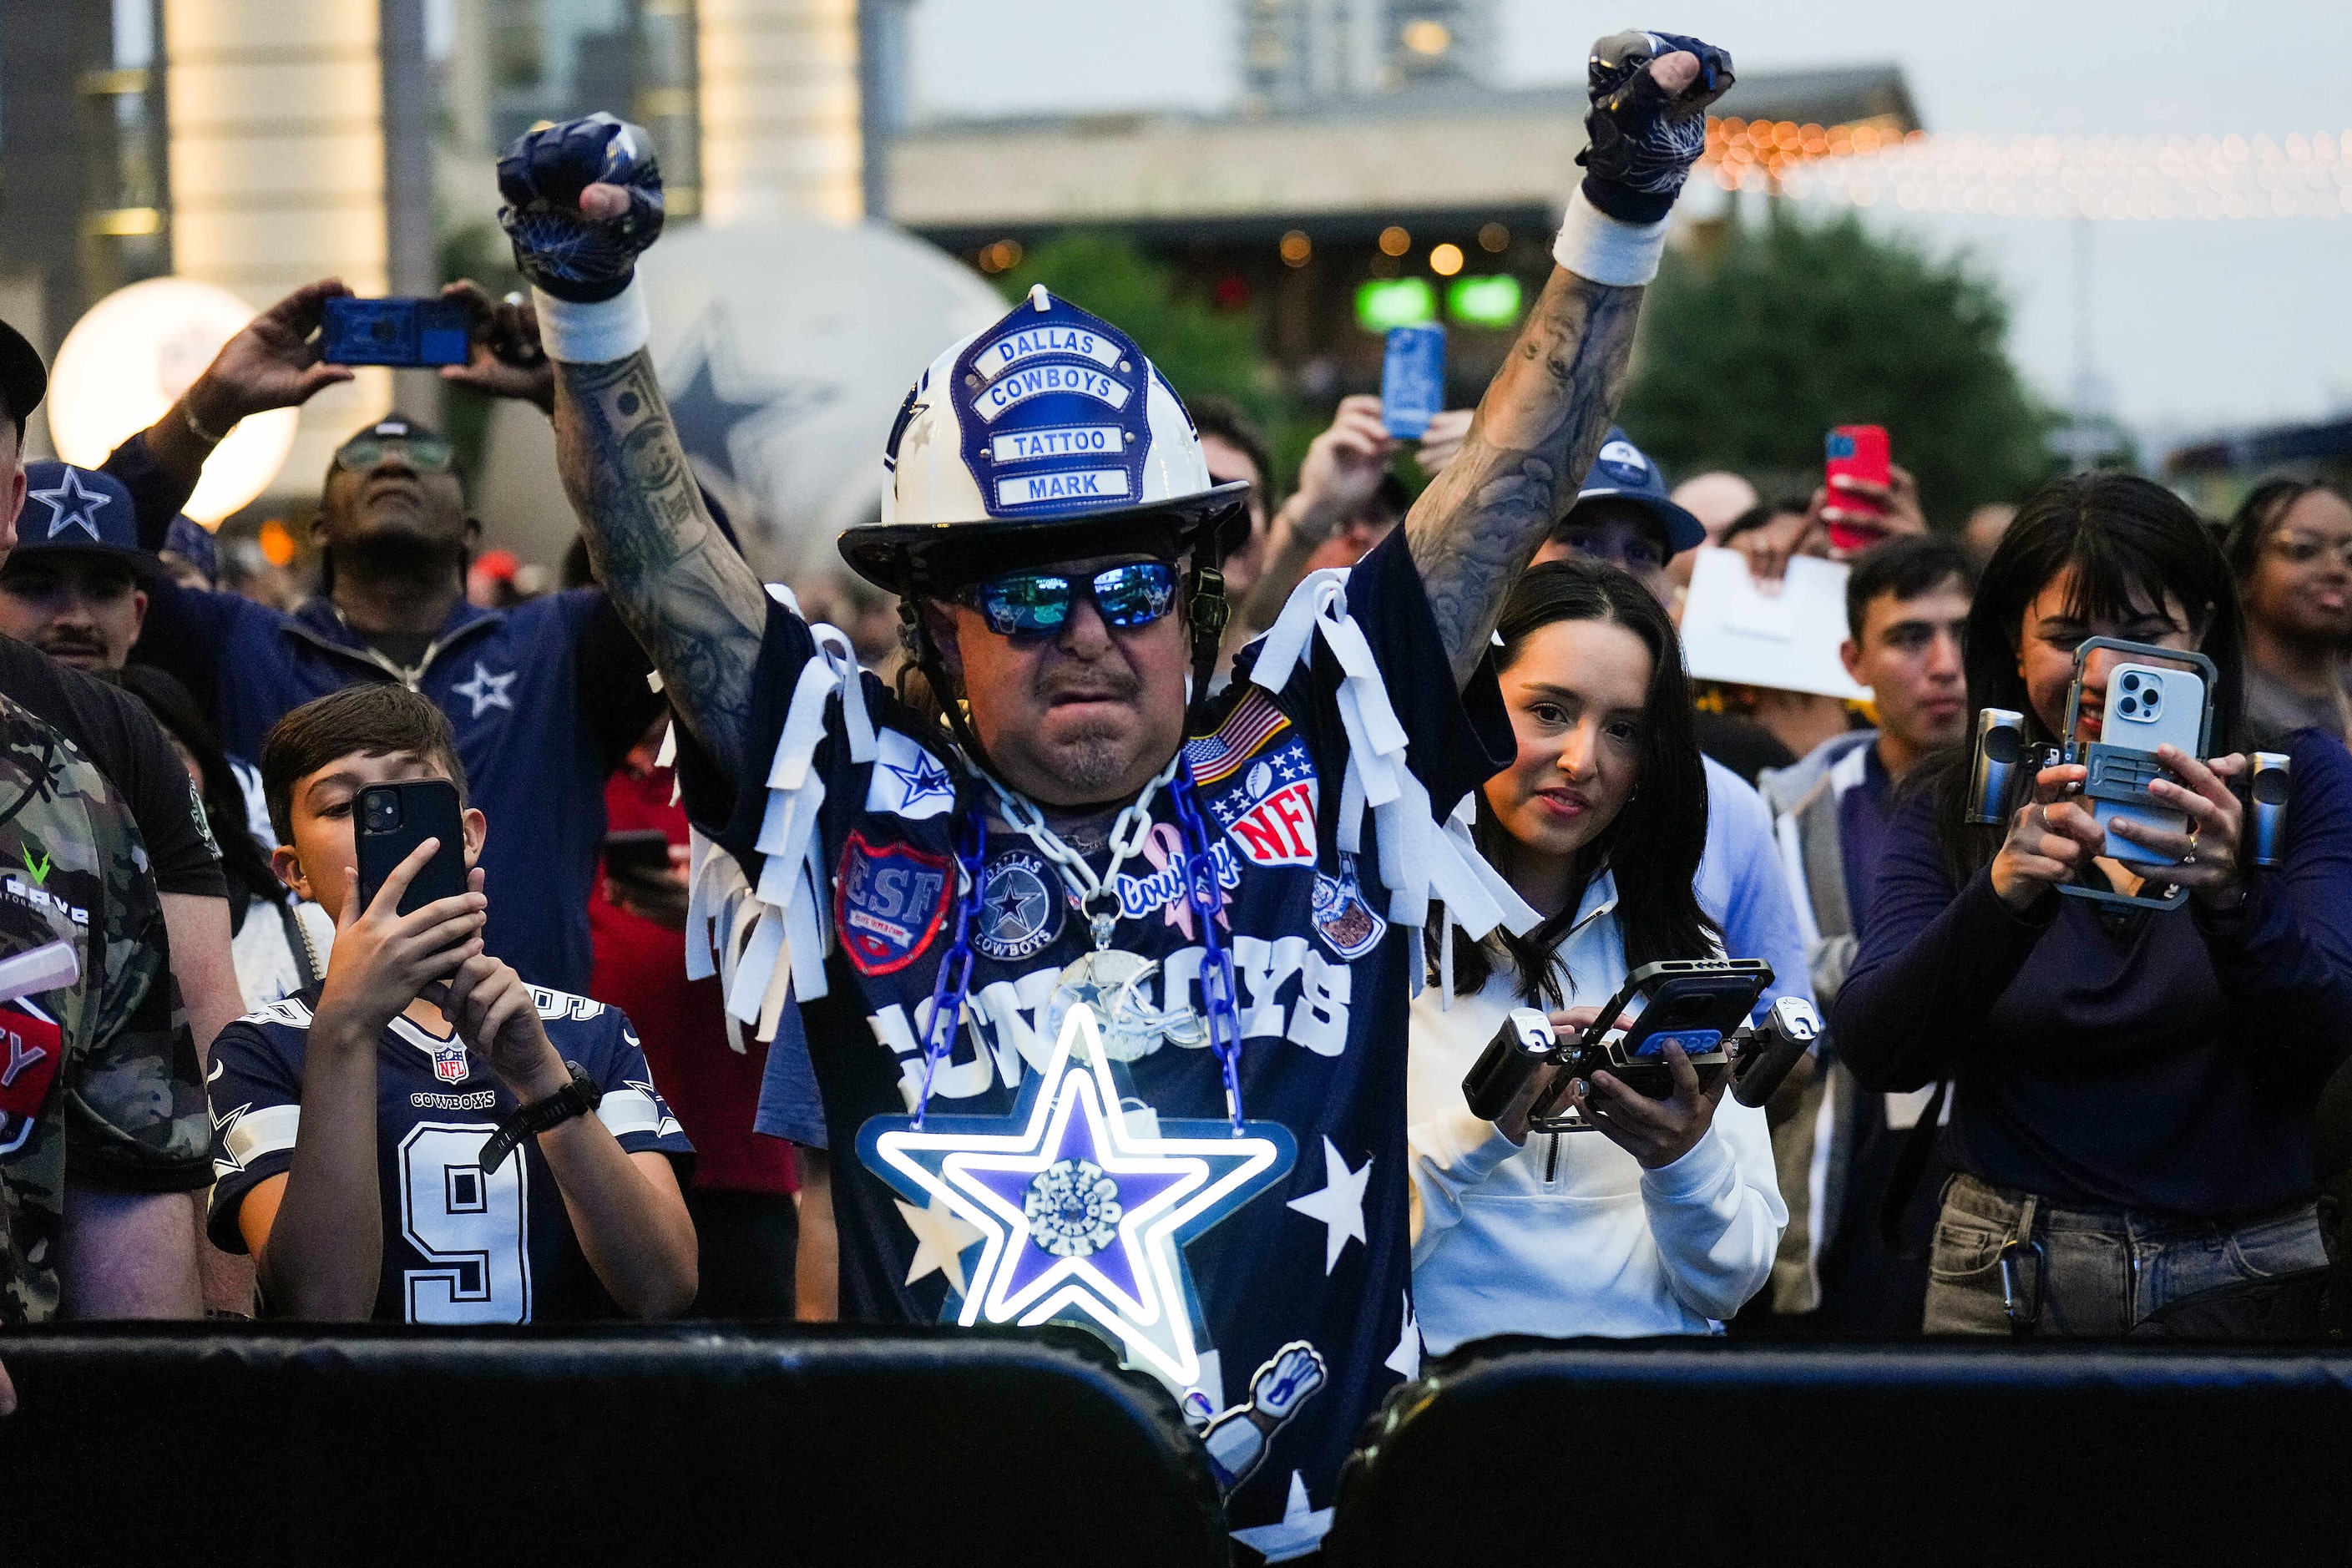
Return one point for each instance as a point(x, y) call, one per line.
point(1208, 611)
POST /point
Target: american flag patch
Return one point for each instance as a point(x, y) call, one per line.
point(1244, 732)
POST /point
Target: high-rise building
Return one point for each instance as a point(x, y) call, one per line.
point(258, 144)
point(1298, 53)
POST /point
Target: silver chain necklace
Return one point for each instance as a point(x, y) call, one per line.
point(1088, 886)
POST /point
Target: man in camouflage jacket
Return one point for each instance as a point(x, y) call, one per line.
point(104, 1120)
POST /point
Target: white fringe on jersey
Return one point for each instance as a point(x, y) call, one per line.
point(1419, 859)
point(770, 942)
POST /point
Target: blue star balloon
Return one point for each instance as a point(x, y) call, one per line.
point(1079, 1218)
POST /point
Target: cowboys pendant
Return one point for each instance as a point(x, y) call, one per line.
point(1111, 982)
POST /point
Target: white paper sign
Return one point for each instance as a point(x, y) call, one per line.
point(1736, 630)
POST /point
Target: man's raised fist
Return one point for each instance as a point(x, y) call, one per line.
point(1648, 122)
point(567, 252)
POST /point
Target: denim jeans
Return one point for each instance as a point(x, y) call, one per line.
point(2094, 1272)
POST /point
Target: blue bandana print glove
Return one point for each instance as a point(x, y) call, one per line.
point(541, 175)
point(1639, 144)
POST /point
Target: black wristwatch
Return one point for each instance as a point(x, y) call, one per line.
point(577, 1098)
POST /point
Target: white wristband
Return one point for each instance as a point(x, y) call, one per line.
point(1593, 245)
point(592, 334)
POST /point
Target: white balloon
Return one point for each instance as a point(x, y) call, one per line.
point(786, 350)
point(128, 361)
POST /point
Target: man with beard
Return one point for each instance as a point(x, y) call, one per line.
point(1238, 894)
point(546, 697)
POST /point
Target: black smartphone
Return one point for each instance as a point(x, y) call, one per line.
point(400, 333)
point(391, 820)
point(639, 851)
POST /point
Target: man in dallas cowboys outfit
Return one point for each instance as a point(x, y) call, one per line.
point(1244, 907)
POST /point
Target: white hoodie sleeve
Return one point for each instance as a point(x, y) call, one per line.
point(1717, 1213)
point(1450, 1153)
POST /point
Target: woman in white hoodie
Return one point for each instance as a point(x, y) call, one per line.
point(1664, 1220)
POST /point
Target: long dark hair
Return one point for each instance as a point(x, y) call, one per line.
point(243, 862)
point(2124, 537)
point(1656, 841)
point(2259, 515)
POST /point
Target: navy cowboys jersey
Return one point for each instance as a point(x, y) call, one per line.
point(460, 1244)
point(1323, 1256)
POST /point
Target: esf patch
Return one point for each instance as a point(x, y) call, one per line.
point(1347, 925)
point(888, 903)
point(1270, 813)
point(1019, 911)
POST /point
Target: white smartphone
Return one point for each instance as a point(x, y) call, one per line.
point(2147, 707)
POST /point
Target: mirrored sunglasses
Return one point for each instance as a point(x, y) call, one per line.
point(1032, 603)
point(425, 454)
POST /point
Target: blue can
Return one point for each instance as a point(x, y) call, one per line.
point(1413, 380)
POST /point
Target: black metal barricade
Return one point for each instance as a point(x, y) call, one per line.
point(644, 1446)
point(1671, 1452)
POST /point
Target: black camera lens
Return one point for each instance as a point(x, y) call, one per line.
point(2128, 707)
point(381, 813)
point(2131, 683)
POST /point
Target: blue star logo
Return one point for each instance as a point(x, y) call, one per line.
point(73, 505)
point(1080, 1217)
point(925, 779)
point(485, 690)
point(716, 398)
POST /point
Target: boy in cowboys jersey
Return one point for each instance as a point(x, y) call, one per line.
point(1242, 907)
point(354, 1117)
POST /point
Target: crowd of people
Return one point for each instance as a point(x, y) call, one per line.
point(1184, 848)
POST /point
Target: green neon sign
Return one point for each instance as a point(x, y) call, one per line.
point(1395, 303)
point(1484, 301)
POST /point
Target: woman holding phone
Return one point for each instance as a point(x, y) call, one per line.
point(2134, 1088)
point(1664, 1220)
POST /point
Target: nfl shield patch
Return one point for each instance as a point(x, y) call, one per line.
point(1269, 812)
point(449, 1061)
point(31, 1046)
point(888, 901)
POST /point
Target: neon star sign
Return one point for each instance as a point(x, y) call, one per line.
point(1080, 1218)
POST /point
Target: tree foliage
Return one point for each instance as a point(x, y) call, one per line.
point(1752, 348)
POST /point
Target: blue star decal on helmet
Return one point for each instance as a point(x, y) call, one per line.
point(73, 505)
point(1080, 1217)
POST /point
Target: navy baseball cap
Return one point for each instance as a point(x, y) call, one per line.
point(80, 510)
point(191, 541)
point(1623, 472)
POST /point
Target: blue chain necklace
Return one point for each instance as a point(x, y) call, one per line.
point(1203, 892)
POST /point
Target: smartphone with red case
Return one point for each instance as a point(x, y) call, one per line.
point(1859, 452)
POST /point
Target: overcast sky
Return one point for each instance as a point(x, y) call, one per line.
point(2194, 324)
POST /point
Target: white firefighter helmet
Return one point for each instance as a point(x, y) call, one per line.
point(1045, 437)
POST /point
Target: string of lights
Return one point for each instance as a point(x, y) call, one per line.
point(1874, 163)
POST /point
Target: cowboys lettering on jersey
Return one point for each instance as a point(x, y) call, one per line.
point(460, 1244)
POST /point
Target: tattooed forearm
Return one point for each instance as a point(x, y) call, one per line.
point(1538, 427)
point(690, 599)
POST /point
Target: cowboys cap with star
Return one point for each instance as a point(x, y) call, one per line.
point(82, 511)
